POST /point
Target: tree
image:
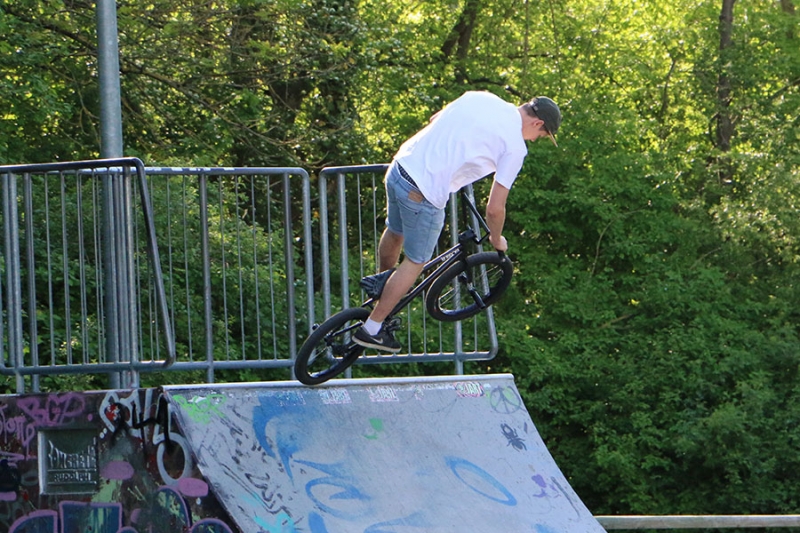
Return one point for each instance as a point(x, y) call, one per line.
point(653, 314)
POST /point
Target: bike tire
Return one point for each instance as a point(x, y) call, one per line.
point(329, 350)
point(460, 293)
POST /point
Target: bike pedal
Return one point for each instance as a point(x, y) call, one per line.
point(393, 324)
point(373, 285)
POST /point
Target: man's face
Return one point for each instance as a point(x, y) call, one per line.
point(536, 130)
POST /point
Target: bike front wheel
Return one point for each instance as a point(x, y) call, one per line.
point(329, 350)
point(462, 291)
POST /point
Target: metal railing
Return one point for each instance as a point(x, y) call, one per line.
point(238, 264)
point(70, 282)
point(698, 522)
point(279, 255)
point(212, 270)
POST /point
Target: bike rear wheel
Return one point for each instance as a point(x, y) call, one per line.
point(329, 350)
point(460, 292)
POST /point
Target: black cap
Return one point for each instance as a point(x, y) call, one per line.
point(547, 110)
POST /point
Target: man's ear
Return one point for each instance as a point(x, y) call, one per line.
point(533, 122)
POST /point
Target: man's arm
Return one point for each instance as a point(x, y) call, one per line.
point(496, 216)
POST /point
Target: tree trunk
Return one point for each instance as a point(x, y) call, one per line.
point(788, 7)
point(725, 123)
point(459, 39)
point(725, 119)
point(460, 36)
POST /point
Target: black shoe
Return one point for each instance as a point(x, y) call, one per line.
point(383, 341)
point(373, 285)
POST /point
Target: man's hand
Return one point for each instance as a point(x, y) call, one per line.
point(496, 216)
point(500, 244)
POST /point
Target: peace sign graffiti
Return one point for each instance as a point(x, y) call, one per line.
point(505, 400)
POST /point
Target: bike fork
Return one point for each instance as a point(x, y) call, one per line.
point(466, 280)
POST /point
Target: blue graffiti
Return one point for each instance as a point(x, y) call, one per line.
point(316, 523)
point(412, 520)
point(283, 524)
point(166, 508)
point(338, 478)
point(335, 492)
point(286, 442)
point(81, 517)
point(43, 521)
point(77, 517)
point(460, 467)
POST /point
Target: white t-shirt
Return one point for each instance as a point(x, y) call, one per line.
point(473, 136)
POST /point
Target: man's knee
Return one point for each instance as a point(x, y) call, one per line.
point(410, 265)
point(392, 237)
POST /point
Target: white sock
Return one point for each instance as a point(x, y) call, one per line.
point(372, 327)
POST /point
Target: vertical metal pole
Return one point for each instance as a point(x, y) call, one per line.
point(324, 249)
point(206, 253)
point(343, 249)
point(13, 277)
point(309, 256)
point(108, 68)
point(125, 238)
point(345, 273)
point(457, 329)
point(111, 275)
point(289, 258)
point(117, 227)
point(33, 345)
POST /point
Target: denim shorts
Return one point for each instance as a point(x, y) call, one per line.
point(412, 216)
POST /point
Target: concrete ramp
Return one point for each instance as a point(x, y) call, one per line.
point(433, 455)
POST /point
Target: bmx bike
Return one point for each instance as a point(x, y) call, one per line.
point(459, 284)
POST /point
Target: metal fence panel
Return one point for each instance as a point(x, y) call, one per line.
point(221, 271)
point(352, 203)
point(237, 264)
point(69, 286)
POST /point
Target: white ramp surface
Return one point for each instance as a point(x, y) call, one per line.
point(434, 455)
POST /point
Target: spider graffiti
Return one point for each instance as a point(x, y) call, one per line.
point(513, 439)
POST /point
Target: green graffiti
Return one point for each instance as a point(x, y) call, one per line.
point(376, 425)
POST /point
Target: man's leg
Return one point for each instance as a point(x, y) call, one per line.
point(389, 248)
point(417, 225)
point(396, 287)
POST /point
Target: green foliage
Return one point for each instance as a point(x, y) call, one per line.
point(652, 326)
point(47, 90)
point(246, 257)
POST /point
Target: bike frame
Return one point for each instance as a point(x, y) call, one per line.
point(446, 259)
